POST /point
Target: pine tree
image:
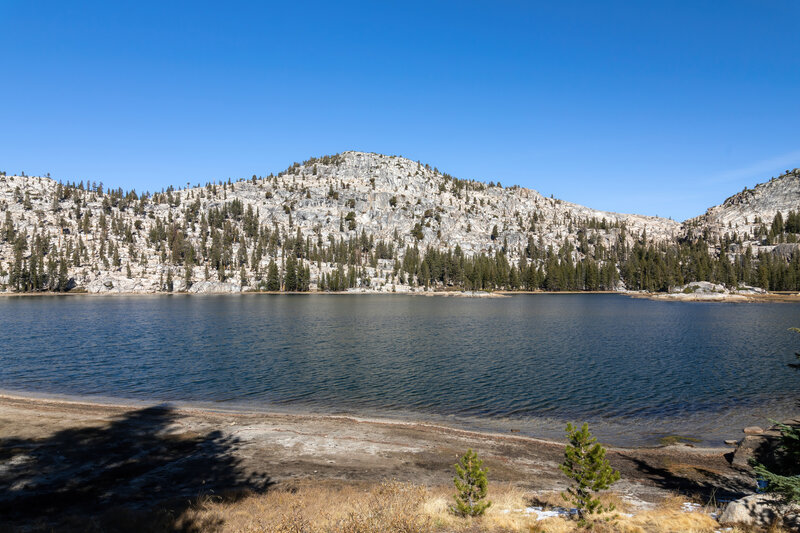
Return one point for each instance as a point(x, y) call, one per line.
point(585, 464)
point(303, 275)
point(290, 277)
point(8, 229)
point(63, 275)
point(273, 281)
point(472, 486)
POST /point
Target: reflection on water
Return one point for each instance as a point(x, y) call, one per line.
point(634, 368)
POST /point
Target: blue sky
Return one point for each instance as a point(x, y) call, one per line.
point(658, 108)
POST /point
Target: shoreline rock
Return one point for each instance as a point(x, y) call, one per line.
point(760, 510)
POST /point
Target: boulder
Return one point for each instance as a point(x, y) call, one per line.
point(760, 510)
point(758, 444)
point(214, 287)
point(100, 285)
point(756, 447)
point(746, 289)
point(700, 287)
point(117, 285)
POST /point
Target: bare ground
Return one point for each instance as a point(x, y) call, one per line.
point(62, 459)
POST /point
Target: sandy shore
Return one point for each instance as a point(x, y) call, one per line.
point(141, 456)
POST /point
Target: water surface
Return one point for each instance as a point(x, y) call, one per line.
point(636, 369)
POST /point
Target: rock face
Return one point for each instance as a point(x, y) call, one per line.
point(759, 510)
point(785, 250)
point(709, 292)
point(122, 242)
point(741, 211)
point(700, 287)
point(758, 444)
point(753, 447)
point(214, 287)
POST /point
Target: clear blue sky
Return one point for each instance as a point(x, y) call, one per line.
point(626, 106)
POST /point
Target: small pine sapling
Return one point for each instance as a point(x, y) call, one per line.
point(472, 486)
point(586, 465)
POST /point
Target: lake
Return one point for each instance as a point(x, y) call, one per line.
point(635, 369)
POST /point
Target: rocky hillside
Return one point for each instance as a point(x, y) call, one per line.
point(746, 211)
point(353, 220)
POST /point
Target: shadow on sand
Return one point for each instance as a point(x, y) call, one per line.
point(135, 473)
point(702, 483)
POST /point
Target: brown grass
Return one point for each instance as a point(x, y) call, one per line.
point(551, 499)
point(320, 507)
point(336, 507)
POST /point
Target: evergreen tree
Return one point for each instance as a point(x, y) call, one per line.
point(290, 276)
point(585, 464)
point(472, 486)
point(8, 228)
point(63, 276)
point(273, 281)
point(302, 277)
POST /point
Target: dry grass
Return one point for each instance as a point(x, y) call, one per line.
point(388, 507)
point(405, 508)
point(554, 499)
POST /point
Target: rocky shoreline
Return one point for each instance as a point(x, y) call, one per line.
point(703, 291)
point(722, 297)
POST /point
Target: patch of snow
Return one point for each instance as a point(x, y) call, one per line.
point(541, 513)
point(691, 507)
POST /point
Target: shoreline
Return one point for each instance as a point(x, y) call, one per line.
point(458, 294)
point(620, 433)
point(772, 297)
point(139, 457)
point(334, 435)
point(200, 409)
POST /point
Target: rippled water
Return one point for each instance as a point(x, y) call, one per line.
point(636, 369)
